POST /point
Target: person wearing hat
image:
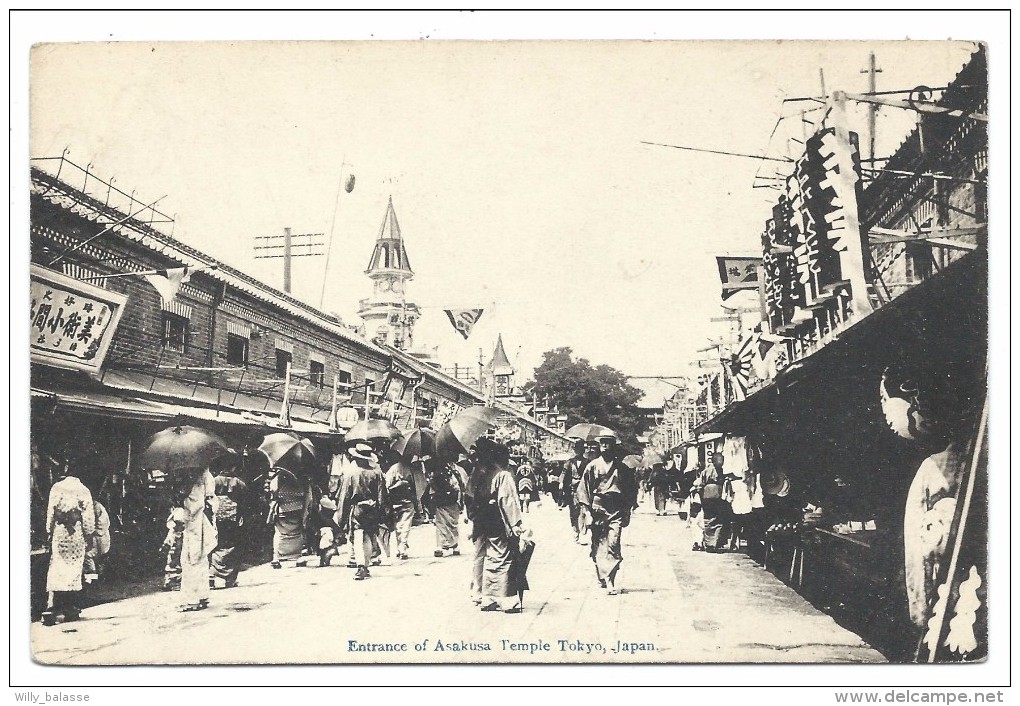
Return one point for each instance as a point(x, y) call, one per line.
point(494, 509)
point(70, 525)
point(363, 508)
point(608, 492)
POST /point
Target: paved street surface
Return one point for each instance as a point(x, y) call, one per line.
point(677, 606)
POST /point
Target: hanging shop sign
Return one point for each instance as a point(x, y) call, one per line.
point(72, 322)
point(813, 244)
point(445, 411)
point(737, 273)
point(393, 392)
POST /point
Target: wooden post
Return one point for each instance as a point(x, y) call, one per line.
point(285, 405)
point(286, 260)
point(872, 107)
point(333, 426)
point(852, 260)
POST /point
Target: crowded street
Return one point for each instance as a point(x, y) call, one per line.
point(660, 617)
point(671, 356)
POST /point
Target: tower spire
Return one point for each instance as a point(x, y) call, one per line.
point(389, 318)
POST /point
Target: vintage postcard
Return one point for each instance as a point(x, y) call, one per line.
point(508, 352)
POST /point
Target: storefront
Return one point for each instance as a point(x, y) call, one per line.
point(844, 435)
point(100, 431)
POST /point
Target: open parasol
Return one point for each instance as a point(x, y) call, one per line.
point(420, 443)
point(288, 450)
point(652, 457)
point(633, 461)
point(579, 431)
point(460, 433)
point(597, 430)
point(371, 430)
point(181, 450)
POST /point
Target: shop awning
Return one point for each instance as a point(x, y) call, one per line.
point(212, 404)
point(946, 313)
point(107, 405)
point(113, 403)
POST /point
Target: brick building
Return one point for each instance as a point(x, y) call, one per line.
point(209, 345)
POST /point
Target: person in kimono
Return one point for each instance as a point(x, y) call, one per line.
point(94, 558)
point(290, 498)
point(715, 509)
point(658, 482)
point(608, 491)
point(569, 481)
point(402, 496)
point(363, 508)
point(495, 512)
point(198, 541)
point(526, 485)
point(70, 526)
point(444, 499)
point(231, 508)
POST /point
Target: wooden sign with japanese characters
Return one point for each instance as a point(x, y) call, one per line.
point(72, 323)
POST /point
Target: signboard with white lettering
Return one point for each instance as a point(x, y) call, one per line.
point(72, 323)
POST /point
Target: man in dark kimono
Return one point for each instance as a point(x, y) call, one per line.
point(363, 508)
point(495, 511)
point(608, 491)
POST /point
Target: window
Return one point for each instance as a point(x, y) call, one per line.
point(369, 388)
point(918, 262)
point(175, 332)
point(282, 359)
point(237, 349)
point(317, 373)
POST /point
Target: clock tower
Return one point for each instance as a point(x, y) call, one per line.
point(389, 318)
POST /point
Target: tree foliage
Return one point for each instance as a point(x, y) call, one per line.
point(587, 393)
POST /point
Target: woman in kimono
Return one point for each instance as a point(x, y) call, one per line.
point(715, 509)
point(231, 507)
point(289, 504)
point(70, 523)
point(199, 540)
point(495, 512)
point(443, 499)
point(609, 493)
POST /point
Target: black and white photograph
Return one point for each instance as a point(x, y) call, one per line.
point(411, 351)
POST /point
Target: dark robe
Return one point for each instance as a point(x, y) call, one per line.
point(608, 490)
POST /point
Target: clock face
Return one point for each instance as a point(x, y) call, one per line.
point(398, 286)
point(384, 285)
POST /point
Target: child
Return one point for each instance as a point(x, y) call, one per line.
point(172, 545)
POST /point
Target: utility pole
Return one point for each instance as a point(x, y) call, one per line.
point(872, 107)
point(299, 245)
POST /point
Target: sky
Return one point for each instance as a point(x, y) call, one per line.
point(517, 169)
